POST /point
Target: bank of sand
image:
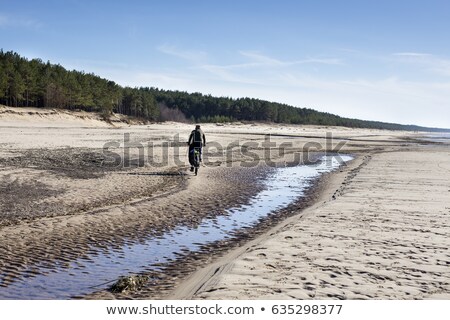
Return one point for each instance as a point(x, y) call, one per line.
point(380, 231)
point(60, 202)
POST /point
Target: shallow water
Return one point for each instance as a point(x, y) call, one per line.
point(283, 187)
point(442, 137)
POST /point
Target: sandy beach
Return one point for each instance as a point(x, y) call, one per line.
point(382, 233)
point(376, 229)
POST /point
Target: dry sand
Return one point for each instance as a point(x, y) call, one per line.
point(60, 202)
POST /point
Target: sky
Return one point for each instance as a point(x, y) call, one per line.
point(373, 60)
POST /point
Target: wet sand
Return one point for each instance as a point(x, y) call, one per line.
point(60, 202)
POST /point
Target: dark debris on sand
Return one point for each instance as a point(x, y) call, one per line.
point(18, 199)
point(74, 163)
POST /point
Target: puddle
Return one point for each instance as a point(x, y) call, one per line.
point(284, 186)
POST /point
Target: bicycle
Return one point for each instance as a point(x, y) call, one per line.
point(194, 159)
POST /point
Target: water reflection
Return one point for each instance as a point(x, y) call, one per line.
point(285, 186)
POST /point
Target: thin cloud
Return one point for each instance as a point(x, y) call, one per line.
point(260, 59)
point(225, 73)
point(396, 87)
point(8, 21)
point(427, 61)
point(440, 66)
point(261, 63)
point(192, 56)
point(261, 70)
point(411, 54)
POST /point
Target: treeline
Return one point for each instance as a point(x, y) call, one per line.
point(206, 108)
point(33, 83)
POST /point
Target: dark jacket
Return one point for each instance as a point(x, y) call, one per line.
point(197, 138)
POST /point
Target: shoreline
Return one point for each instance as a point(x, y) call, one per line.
point(323, 190)
point(178, 268)
point(57, 241)
point(64, 215)
point(167, 280)
point(374, 247)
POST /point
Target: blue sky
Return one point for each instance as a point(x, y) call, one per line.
point(376, 60)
